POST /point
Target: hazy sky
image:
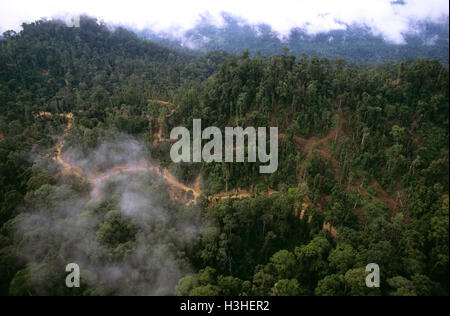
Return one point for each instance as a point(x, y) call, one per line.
point(175, 16)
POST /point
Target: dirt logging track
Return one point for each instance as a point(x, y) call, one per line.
point(190, 194)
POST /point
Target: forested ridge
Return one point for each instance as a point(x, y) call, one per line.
point(362, 176)
point(355, 43)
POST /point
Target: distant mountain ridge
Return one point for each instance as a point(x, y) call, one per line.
point(429, 40)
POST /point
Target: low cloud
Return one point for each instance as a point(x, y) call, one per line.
point(388, 18)
point(129, 242)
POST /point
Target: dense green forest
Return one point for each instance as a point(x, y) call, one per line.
point(354, 43)
point(362, 177)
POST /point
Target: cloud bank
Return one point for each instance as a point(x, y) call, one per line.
point(385, 17)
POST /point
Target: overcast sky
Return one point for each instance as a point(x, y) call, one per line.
point(176, 16)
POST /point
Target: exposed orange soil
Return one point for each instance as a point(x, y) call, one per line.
point(331, 229)
point(383, 196)
point(175, 185)
point(236, 194)
point(97, 179)
point(158, 137)
point(67, 168)
point(179, 190)
point(159, 101)
point(309, 145)
point(303, 211)
point(176, 189)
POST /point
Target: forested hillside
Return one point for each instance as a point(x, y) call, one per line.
point(86, 175)
point(355, 43)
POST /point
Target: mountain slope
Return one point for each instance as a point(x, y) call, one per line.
point(355, 43)
point(86, 174)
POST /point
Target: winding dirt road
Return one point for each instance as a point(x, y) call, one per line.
point(178, 189)
point(98, 179)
